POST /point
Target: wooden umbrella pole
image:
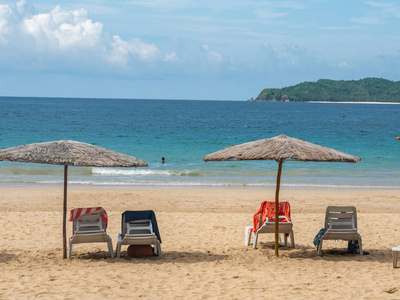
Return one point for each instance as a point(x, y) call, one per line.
point(65, 213)
point(278, 184)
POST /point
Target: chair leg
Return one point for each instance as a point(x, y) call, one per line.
point(395, 258)
point(118, 250)
point(292, 239)
point(320, 248)
point(110, 247)
point(255, 237)
point(158, 246)
point(70, 249)
point(285, 238)
point(247, 235)
point(360, 246)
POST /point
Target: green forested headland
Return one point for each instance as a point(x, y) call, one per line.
point(364, 90)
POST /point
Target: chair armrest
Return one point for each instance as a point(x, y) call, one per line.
point(281, 219)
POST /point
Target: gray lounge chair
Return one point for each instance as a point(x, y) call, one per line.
point(340, 224)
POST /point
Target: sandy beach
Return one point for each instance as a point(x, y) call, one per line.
point(203, 246)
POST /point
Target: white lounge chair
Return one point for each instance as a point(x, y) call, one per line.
point(139, 228)
point(89, 226)
point(340, 224)
point(267, 212)
point(284, 226)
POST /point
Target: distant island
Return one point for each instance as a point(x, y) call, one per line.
point(364, 90)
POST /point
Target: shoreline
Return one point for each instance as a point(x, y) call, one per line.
point(349, 102)
point(329, 102)
point(198, 186)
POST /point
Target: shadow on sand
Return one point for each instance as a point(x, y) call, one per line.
point(7, 257)
point(328, 254)
point(168, 257)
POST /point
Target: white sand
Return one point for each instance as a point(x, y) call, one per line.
point(203, 245)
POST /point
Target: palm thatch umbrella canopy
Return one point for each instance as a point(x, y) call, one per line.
point(280, 148)
point(69, 153)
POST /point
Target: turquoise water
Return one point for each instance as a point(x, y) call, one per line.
point(185, 131)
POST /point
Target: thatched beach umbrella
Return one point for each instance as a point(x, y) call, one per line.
point(69, 153)
point(280, 148)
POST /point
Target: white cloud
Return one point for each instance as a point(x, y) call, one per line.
point(269, 14)
point(122, 50)
point(21, 7)
point(171, 57)
point(5, 15)
point(67, 36)
point(288, 4)
point(63, 29)
point(211, 55)
point(387, 8)
point(366, 20)
point(161, 3)
point(341, 28)
point(289, 56)
point(378, 4)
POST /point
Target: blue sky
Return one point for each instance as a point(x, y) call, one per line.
point(184, 49)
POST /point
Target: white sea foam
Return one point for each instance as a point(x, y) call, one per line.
point(143, 172)
point(190, 183)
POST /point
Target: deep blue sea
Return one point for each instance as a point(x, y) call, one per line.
point(185, 131)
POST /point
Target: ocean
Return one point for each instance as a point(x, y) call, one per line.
point(184, 131)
